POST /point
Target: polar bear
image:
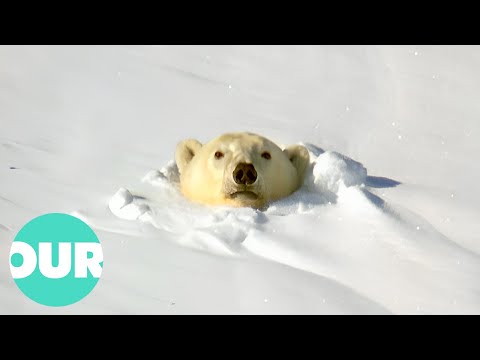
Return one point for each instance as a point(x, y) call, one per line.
point(239, 169)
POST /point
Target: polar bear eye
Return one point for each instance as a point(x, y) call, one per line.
point(266, 155)
point(218, 155)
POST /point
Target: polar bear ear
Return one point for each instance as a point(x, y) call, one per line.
point(185, 152)
point(299, 157)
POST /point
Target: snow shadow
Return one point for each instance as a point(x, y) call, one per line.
point(381, 182)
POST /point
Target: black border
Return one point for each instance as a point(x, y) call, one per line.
point(307, 23)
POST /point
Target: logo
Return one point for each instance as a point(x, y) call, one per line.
point(56, 259)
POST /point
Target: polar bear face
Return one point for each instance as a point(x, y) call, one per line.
point(239, 169)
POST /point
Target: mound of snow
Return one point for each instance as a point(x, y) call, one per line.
point(334, 226)
point(158, 201)
point(331, 170)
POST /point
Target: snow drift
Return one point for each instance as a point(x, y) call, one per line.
point(333, 226)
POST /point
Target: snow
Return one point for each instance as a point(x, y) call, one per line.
point(386, 221)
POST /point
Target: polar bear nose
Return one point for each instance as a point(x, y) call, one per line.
point(245, 174)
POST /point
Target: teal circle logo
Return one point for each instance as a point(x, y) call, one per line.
point(56, 259)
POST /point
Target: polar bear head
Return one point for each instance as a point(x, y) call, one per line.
point(239, 169)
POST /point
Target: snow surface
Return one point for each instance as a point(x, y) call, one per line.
point(385, 223)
